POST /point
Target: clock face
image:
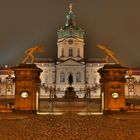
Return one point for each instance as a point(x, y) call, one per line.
point(70, 41)
point(24, 94)
point(115, 95)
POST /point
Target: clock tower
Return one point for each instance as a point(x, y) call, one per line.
point(70, 41)
point(70, 56)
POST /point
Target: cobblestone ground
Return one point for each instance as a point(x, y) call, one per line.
point(70, 127)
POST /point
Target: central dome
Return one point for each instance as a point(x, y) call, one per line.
point(70, 29)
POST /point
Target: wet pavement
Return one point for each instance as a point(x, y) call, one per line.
point(19, 126)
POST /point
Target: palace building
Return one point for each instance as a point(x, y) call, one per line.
point(70, 60)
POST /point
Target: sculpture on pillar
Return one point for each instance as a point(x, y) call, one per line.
point(29, 53)
point(71, 6)
point(70, 93)
point(70, 79)
point(109, 54)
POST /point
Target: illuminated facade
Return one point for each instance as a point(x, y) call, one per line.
point(70, 60)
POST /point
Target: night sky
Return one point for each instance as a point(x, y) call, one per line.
point(114, 23)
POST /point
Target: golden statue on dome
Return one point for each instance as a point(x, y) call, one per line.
point(71, 6)
point(29, 53)
point(109, 54)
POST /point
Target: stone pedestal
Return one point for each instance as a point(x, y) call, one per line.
point(113, 86)
point(26, 86)
point(70, 93)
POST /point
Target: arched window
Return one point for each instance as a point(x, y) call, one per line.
point(70, 73)
point(78, 51)
point(62, 52)
point(53, 78)
point(87, 77)
point(62, 77)
point(70, 52)
point(8, 89)
point(46, 79)
point(94, 80)
point(78, 77)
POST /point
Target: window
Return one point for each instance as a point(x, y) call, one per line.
point(62, 52)
point(46, 80)
point(70, 52)
point(87, 77)
point(70, 73)
point(78, 77)
point(78, 51)
point(53, 78)
point(8, 89)
point(94, 80)
point(62, 77)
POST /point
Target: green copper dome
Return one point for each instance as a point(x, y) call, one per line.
point(70, 29)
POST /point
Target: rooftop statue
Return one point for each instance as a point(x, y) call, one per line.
point(29, 53)
point(70, 6)
point(109, 54)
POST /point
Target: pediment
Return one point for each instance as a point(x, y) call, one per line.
point(70, 62)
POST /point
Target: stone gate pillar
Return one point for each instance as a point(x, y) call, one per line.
point(26, 84)
point(113, 86)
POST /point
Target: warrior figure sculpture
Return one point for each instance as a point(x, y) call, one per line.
point(109, 53)
point(29, 53)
